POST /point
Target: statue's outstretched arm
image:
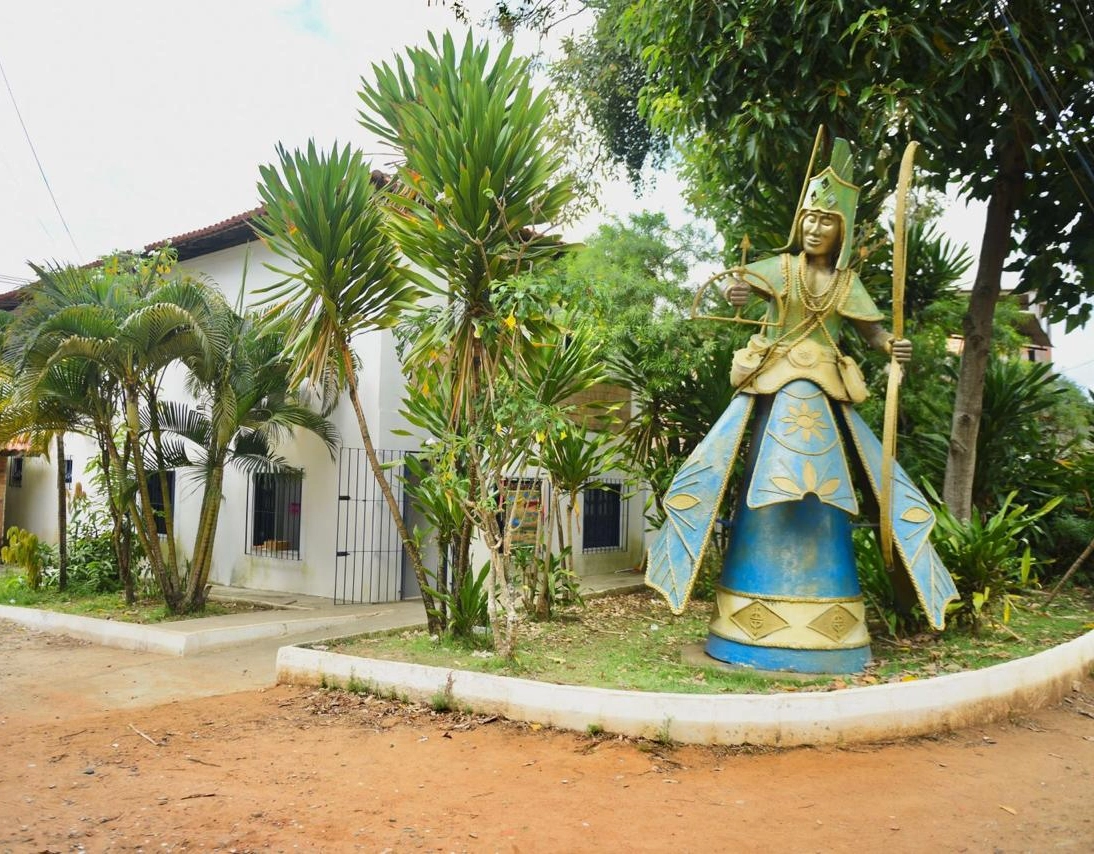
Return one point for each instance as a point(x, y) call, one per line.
point(739, 291)
point(880, 338)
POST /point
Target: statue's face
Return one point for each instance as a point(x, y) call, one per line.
point(820, 232)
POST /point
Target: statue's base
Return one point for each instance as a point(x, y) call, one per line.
point(781, 662)
point(695, 655)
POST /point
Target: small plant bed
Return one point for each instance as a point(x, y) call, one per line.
point(633, 642)
point(107, 606)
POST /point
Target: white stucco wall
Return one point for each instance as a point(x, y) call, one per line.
point(33, 505)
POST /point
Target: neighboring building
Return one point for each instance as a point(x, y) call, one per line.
point(1032, 326)
point(327, 533)
point(11, 470)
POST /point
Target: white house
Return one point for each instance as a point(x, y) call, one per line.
point(327, 533)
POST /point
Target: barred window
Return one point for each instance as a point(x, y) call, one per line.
point(15, 471)
point(68, 470)
point(603, 518)
point(155, 495)
point(273, 502)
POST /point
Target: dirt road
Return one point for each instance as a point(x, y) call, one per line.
point(288, 769)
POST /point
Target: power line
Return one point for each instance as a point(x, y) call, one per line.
point(1076, 367)
point(41, 170)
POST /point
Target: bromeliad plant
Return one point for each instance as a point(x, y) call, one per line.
point(990, 559)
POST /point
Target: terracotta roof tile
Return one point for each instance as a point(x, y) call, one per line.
point(10, 299)
point(18, 445)
point(233, 231)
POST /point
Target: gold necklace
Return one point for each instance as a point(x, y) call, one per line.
point(818, 304)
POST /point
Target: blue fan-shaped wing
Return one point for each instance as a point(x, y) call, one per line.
point(913, 520)
point(691, 506)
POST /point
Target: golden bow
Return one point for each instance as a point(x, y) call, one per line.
point(896, 373)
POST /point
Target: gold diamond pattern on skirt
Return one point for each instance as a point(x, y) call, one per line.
point(835, 623)
point(757, 620)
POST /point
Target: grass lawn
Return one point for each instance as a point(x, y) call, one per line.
point(105, 606)
point(634, 642)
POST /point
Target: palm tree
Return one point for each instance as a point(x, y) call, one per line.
point(70, 396)
point(125, 323)
point(43, 416)
point(246, 410)
point(565, 363)
point(322, 216)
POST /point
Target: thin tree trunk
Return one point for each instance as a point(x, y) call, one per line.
point(202, 561)
point(503, 619)
point(977, 328)
point(571, 511)
point(541, 593)
point(389, 496)
point(561, 533)
point(463, 550)
point(62, 515)
point(168, 503)
point(1087, 552)
point(141, 509)
point(119, 539)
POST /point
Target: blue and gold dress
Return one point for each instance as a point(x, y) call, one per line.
point(789, 597)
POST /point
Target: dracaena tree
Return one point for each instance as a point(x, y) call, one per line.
point(478, 190)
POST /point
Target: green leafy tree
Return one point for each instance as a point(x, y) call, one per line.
point(632, 279)
point(40, 414)
point(47, 400)
point(247, 410)
point(574, 451)
point(120, 326)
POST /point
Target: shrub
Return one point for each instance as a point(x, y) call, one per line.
point(92, 563)
point(877, 588)
point(990, 559)
point(26, 551)
point(466, 605)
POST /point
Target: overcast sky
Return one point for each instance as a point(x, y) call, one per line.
point(150, 119)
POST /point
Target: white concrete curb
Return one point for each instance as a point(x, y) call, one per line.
point(874, 713)
point(162, 638)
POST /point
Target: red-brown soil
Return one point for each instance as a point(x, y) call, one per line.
point(286, 769)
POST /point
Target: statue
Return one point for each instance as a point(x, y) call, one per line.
point(789, 597)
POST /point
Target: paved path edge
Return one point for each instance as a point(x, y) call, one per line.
point(868, 714)
point(177, 638)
